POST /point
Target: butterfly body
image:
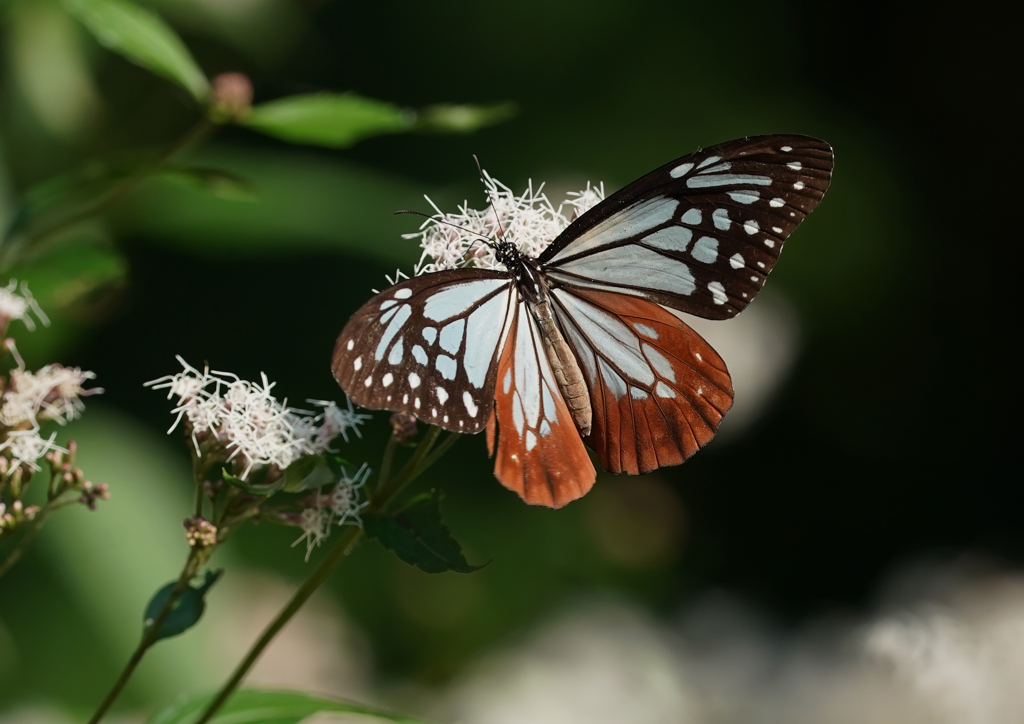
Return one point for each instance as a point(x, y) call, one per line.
point(585, 342)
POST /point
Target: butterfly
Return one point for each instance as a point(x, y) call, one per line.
point(586, 342)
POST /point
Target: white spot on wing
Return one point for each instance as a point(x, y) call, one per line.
point(709, 160)
point(692, 217)
point(446, 366)
point(471, 407)
point(531, 440)
point(414, 380)
point(718, 295)
point(351, 344)
point(660, 362)
point(663, 390)
point(680, 170)
point(795, 165)
point(387, 379)
point(420, 354)
point(736, 261)
point(637, 265)
point(442, 394)
point(674, 238)
point(726, 179)
point(744, 197)
point(769, 243)
point(750, 227)
point(705, 250)
point(451, 336)
point(798, 185)
point(400, 318)
point(645, 330)
point(429, 334)
point(776, 203)
point(357, 364)
point(403, 293)
point(388, 304)
point(507, 382)
point(787, 149)
point(395, 355)
point(721, 219)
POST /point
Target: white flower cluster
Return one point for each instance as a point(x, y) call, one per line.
point(29, 399)
point(53, 393)
point(530, 221)
point(339, 507)
point(17, 303)
point(249, 421)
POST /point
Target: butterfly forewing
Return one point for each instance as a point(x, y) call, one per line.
point(540, 454)
point(699, 234)
point(429, 346)
point(657, 389)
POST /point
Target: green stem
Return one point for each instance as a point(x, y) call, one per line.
point(386, 492)
point(150, 637)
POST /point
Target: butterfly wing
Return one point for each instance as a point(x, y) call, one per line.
point(429, 346)
point(699, 234)
point(658, 391)
point(540, 454)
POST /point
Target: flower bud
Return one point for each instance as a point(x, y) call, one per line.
point(231, 98)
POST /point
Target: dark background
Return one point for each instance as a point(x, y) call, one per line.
point(892, 439)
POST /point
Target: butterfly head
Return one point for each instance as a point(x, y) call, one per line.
point(508, 254)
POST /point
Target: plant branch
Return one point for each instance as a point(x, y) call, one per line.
point(150, 637)
point(386, 491)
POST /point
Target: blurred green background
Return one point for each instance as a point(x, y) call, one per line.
point(888, 438)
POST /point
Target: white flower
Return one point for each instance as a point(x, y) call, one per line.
point(253, 426)
point(345, 500)
point(18, 304)
point(27, 446)
point(529, 221)
point(335, 421)
point(52, 393)
point(316, 525)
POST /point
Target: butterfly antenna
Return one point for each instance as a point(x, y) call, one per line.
point(436, 220)
point(480, 170)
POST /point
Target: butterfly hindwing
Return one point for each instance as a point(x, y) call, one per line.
point(540, 454)
point(699, 234)
point(429, 346)
point(657, 390)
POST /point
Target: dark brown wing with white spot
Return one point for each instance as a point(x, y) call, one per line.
point(429, 346)
point(699, 234)
point(657, 389)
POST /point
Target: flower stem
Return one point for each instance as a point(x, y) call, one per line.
point(150, 637)
point(386, 492)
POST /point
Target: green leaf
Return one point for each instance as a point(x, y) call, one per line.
point(269, 707)
point(66, 274)
point(186, 611)
point(455, 118)
point(307, 473)
point(254, 488)
point(142, 37)
point(418, 536)
point(334, 120)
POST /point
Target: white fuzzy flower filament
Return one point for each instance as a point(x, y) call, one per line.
point(252, 425)
point(529, 221)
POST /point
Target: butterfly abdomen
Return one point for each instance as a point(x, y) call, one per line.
point(563, 364)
